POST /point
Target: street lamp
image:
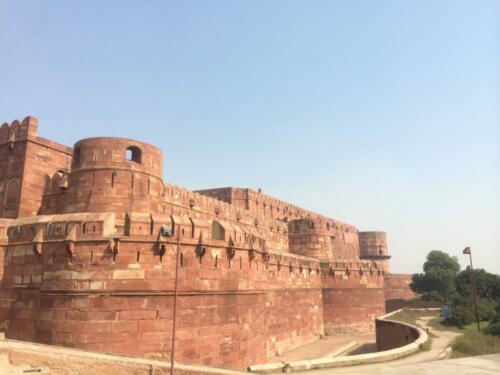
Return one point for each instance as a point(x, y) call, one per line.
point(473, 286)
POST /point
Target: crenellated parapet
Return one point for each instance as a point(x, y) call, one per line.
point(18, 131)
point(25, 162)
point(179, 201)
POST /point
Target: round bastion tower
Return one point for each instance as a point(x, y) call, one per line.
point(323, 239)
point(373, 245)
point(114, 175)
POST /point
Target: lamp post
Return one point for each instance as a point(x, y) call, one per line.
point(473, 286)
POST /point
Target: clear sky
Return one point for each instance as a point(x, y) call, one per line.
point(383, 114)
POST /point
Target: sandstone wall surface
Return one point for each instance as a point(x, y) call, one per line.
point(90, 251)
point(397, 286)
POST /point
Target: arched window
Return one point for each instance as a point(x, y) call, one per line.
point(12, 194)
point(134, 154)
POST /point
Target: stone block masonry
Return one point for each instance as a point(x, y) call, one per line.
point(89, 237)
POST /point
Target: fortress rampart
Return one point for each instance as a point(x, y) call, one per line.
point(373, 246)
point(89, 260)
point(397, 287)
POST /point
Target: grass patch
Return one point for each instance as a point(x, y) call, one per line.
point(426, 346)
point(439, 325)
point(473, 342)
point(411, 317)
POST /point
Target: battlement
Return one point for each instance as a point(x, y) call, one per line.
point(17, 131)
point(180, 201)
point(257, 202)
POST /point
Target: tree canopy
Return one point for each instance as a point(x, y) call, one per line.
point(437, 282)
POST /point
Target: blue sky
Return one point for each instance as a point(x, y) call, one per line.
point(383, 114)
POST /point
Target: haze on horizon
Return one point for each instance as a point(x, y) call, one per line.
point(383, 114)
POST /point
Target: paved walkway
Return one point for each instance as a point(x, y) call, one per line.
point(7, 369)
point(323, 347)
point(441, 339)
point(481, 365)
point(440, 342)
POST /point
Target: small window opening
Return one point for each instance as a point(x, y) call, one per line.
point(134, 154)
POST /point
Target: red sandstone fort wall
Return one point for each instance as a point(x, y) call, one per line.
point(102, 179)
point(322, 240)
point(397, 286)
point(92, 263)
point(353, 296)
point(234, 309)
point(26, 163)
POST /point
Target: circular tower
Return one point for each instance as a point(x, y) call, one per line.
point(323, 239)
point(373, 245)
point(114, 174)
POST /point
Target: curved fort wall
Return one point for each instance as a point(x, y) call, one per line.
point(94, 267)
point(111, 174)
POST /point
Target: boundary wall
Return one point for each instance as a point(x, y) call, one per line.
point(402, 340)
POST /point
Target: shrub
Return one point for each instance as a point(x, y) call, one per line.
point(493, 329)
point(475, 343)
point(486, 309)
point(461, 317)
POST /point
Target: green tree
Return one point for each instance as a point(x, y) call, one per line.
point(437, 282)
point(487, 284)
point(461, 316)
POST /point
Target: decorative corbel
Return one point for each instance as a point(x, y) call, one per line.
point(70, 242)
point(231, 252)
point(201, 250)
point(162, 249)
point(115, 247)
point(38, 241)
point(251, 254)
